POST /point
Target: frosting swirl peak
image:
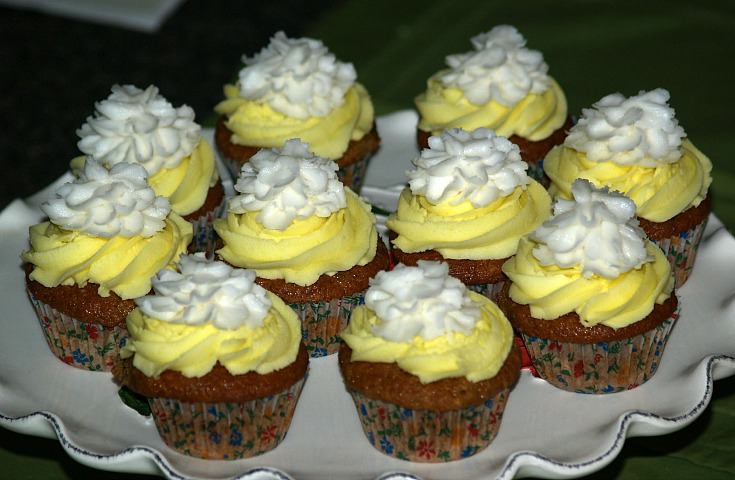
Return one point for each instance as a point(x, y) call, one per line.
point(139, 126)
point(500, 68)
point(205, 291)
point(108, 203)
point(478, 166)
point(299, 78)
point(288, 184)
point(422, 300)
point(597, 231)
point(639, 130)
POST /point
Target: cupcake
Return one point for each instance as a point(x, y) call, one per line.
point(295, 88)
point(429, 365)
point(106, 236)
point(140, 126)
point(592, 298)
point(219, 359)
point(635, 146)
point(468, 202)
point(499, 85)
point(311, 240)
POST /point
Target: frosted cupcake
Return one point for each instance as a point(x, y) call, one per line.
point(592, 298)
point(429, 365)
point(295, 88)
point(468, 202)
point(500, 85)
point(219, 359)
point(311, 240)
point(107, 235)
point(635, 146)
point(140, 126)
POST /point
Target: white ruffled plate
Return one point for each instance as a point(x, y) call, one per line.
point(545, 432)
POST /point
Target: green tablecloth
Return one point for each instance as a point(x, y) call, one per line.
point(593, 48)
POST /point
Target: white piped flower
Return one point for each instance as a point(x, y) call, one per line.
point(478, 166)
point(288, 184)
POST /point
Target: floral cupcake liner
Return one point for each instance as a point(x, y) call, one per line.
point(205, 239)
point(603, 367)
point(322, 322)
point(490, 290)
point(536, 171)
point(225, 430)
point(353, 175)
point(87, 346)
point(429, 436)
point(681, 251)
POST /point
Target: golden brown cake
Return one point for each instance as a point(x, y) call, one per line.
point(83, 270)
point(429, 365)
point(592, 298)
point(222, 381)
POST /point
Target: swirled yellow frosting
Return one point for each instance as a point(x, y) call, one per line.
point(158, 345)
point(477, 355)
point(305, 249)
point(255, 123)
point(659, 192)
point(551, 291)
point(186, 185)
point(534, 118)
point(118, 264)
point(464, 231)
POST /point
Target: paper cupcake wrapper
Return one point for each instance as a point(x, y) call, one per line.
point(490, 290)
point(536, 171)
point(353, 175)
point(429, 436)
point(225, 430)
point(600, 368)
point(205, 239)
point(322, 322)
point(681, 251)
point(87, 346)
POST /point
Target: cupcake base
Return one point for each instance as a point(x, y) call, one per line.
point(429, 436)
point(205, 239)
point(87, 346)
point(226, 430)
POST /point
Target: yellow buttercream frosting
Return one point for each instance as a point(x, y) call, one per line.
point(157, 345)
point(465, 232)
point(476, 356)
point(306, 249)
point(552, 291)
point(121, 265)
point(257, 124)
point(186, 185)
point(659, 192)
point(534, 118)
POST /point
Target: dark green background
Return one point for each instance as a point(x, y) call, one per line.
point(54, 69)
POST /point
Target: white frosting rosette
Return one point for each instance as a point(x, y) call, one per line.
point(288, 184)
point(477, 166)
point(597, 230)
point(139, 126)
point(298, 77)
point(108, 203)
point(500, 68)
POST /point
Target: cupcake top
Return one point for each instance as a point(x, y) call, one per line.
point(207, 312)
point(634, 145)
point(429, 324)
point(591, 258)
point(107, 227)
point(500, 85)
point(296, 88)
point(469, 196)
point(293, 219)
point(140, 126)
